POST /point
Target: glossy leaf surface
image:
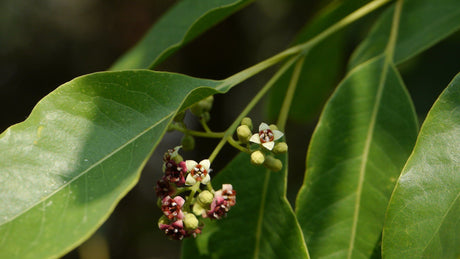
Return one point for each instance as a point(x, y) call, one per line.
point(363, 138)
point(260, 225)
point(423, 23)
point(181, 24)
point(80, 151)
point(423, 218)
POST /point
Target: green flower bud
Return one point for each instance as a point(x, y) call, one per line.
point(196, 109)
point(247, 121)
point(190, 221)
point(206, 116)
point(179, 117)
point(244, 133)
point(202, 106)
point(273, 127)
point(197, 209)
point(178, 158)
point(188, 142)
point(280, 148)
point(273, 164)
point(207, 103)
point(163, 220)
point(257, 157)
point(205, 198)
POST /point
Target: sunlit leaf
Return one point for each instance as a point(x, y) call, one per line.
point(423, 218)
point(181, 24)
point(423, 23)
point(80, 151)
point(260, 225)
point(363, 138)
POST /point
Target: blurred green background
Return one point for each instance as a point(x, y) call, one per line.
point(45, 43)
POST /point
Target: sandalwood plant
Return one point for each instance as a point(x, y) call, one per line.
point(376, 184)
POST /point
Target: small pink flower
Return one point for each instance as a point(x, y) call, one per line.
point(175, 230)
point(164, 188)
point(219, 208)
point(266, 137)
point(174, 173)
point(198, 172)
point(172, 207)
point(228, 194)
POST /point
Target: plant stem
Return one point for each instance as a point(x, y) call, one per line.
point(198, 133)
point(205, 125)
point(250, 105)
point(282, 118)
point(297, 49)
point(303, 47)
point(235, 144)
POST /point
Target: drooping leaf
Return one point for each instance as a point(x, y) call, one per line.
point(64, 168)
point(423, 218)
point(260, 225)
point(181, 24)
point(363, 138)
point(423, 23)
point(321, 69)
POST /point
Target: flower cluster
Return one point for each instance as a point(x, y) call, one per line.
point(267, 146)
point(182, 215)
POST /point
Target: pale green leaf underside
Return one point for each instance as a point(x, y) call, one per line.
point(82, 148)
point(363, 138)
point(423, 23)
point(423, 218)
point(181, 24)
point(260, 225)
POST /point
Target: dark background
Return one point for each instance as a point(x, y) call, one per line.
point(45, 43)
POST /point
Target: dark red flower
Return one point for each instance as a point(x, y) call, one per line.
point(175, 230)
point(164, 188)
point(172, 208)
point(174, 172)
point(219, 208)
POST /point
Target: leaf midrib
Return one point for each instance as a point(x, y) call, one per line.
point(362, 170)
point(261, 214)
point(100, 161)
point(389, 56)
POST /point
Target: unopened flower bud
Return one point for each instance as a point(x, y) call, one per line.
point(190, 221)
point(197, 209)
point(206, 116)
point(247, 121)
point(244, 133)
point(273, 164)
point(188, 142)
point(202, 106)
point(273, 127)
point(280, 148)
point(179, 117)
point(163, 220)
point(207, 103)
point(196, 109)
point(257, 157)
point(205, 198)
point(177, 158)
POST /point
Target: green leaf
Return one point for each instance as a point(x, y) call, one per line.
point(422, 219)
point(423, 23)
point(80, 151)
point(321, 69)
point(363, 138)
point(181, 24)
point(260, 225)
